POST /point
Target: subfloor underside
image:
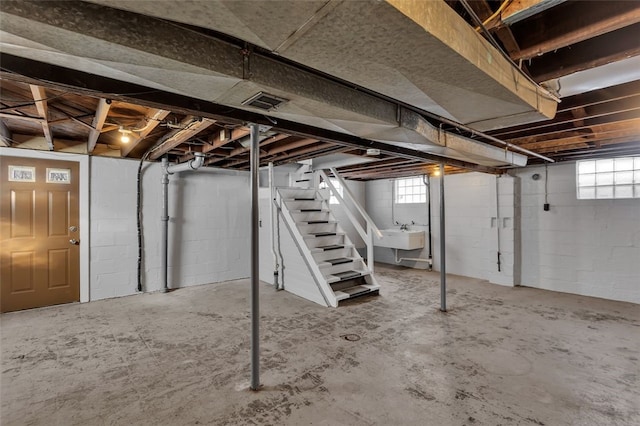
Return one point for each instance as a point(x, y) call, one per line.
point(510, 356)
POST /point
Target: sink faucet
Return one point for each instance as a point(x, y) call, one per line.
point(404, 227)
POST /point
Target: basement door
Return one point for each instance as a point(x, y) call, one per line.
point(39, 235)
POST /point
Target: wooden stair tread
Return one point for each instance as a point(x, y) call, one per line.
point(338, 261)
point(323, 234)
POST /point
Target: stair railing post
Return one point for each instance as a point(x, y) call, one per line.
point(370, 247)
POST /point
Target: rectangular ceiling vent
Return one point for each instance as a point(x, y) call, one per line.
point(264, 101)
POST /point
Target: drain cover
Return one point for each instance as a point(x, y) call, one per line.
point(351, 337)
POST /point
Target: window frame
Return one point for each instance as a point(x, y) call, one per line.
point(400, 187)
point(616, 178)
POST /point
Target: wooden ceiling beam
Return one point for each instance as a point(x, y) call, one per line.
point(189, 127)
point(591, 134)
point(595, 146)
point(292, 145)
point(390, 162)
point(241, 150)
point(224, 137)
point(305, 154)
point(599, 96)
point(519, 10)
point(580, 117)
point(98, 121)
point(504, 34)
point(40, 97)
point(571, 23)
point(601, 50)
point(151, 120)
point(301, 151)
point(21, 117)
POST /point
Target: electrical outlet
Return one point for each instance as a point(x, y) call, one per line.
point(546, 207)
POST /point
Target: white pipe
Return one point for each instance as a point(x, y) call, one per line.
point(272, 218)
point(411, 259)
point(193, 164)
point(167, 170)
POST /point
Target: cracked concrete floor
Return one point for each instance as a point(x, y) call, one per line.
point(501, 356)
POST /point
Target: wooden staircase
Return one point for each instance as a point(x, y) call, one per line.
point(337, 268)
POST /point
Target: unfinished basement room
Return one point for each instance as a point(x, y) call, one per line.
point(320, 212)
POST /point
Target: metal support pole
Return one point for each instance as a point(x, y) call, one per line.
point(255, 247)
point(443, 263)
point(164, 232)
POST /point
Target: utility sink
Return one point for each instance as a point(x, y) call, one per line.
point(400, 239)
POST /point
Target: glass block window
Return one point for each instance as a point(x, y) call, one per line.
point(336, 184)
point(608, 178)
point(410, 190)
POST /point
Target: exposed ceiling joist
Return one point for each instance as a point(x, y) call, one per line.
point(607, 48)
point(484, 12)
point(552, 30)
point(21, 117)
point(597, 134)
point(581, 117)
point(40, 97)
point(98, 121)
point(153, 118)
point(268, 141)
point(519, 10)
point(292, 145)
point(224, 137)
point(189, 127)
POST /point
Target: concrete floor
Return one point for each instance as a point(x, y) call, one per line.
point(501, 356)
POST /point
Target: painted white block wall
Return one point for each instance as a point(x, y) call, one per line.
point(588, 247)
point(209, 232)
point(471, 235)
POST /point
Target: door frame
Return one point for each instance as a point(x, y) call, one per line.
point(85, 165)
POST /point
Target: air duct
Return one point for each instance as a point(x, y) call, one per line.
point(420, 60)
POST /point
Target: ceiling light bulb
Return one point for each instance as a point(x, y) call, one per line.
point(436, 172)
point(125, 138)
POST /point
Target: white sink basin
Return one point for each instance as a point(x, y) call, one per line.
point(400, 239)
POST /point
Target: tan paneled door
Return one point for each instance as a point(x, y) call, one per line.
point(40, 259)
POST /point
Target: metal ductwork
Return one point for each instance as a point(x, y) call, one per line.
point(308, 64)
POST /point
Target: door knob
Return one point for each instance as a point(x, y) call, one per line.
point(74, 242)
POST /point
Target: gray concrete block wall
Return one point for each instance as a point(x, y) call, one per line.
point(208, 230)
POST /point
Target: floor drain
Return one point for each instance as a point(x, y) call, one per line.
point(351, 337)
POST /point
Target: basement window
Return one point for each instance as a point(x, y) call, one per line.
point(410, 190)
point(336, 184)
point(608, 178)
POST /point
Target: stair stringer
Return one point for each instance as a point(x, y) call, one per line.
point(301, 275)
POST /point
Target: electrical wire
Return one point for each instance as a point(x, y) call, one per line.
point(495, 14)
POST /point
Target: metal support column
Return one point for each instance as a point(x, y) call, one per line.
point(443, 263)
point(255, 247)
point(164, 230)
